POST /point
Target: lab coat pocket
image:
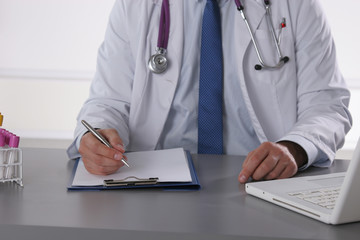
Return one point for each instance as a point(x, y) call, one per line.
point(269, 54)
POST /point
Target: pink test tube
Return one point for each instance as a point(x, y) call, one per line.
point(12, 156)
point(2, 154)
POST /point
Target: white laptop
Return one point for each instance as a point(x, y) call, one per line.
point(331, 198)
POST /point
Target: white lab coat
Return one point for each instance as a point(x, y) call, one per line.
point(307, 97)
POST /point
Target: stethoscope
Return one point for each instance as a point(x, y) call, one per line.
point(282, 59)
point(158, 62)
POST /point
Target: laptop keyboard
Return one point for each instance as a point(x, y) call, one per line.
point(325, 197)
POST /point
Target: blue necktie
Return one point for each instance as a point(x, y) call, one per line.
point(210, 124)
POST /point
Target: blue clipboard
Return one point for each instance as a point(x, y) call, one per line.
point(193, 185)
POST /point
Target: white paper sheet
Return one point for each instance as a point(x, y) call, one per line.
point(170, 165)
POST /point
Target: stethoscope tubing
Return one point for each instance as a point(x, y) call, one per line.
point(164, 28)
point(158, 62)
point(271, 27)
point(282, 59)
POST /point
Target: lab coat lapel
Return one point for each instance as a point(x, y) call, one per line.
point(255, 13)
point(159, 92)
point(169, 79)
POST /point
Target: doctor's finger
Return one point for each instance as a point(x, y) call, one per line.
point(89, 143)
point(100, 165)
point(93, 168)
point(267, 166)
point(93, 145)
point(278, 159)
point(246, 161)
point(285, 167)
point(102, 160)
point(289, 171)
point(114, 139)
point(252, 161)
point(254, 158)
point(275, 172)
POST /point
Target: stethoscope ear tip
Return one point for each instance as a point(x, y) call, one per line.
point(285, 59)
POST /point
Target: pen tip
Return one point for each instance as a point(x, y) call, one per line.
point(125, 163)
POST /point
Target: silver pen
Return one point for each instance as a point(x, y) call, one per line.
point(100, 138)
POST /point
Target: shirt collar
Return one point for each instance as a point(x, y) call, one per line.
point(217, 0)
point(224, 1)
point(221, 2)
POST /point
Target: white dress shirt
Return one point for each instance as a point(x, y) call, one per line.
point(181, 126)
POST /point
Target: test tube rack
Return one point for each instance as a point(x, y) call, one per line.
point(10, 157)
point(11, 166)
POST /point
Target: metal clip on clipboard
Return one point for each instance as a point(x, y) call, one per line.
point(135, 182)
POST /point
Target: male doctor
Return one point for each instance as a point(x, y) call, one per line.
point(284, 119)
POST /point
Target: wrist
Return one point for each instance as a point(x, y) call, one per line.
point(297, 152)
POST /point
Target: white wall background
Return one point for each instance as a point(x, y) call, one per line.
point(48, 54)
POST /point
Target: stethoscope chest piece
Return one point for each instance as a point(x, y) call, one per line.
point(158, 62)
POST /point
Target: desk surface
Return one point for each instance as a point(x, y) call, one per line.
point(220, 210)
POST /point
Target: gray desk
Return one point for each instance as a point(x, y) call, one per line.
point(44, 209)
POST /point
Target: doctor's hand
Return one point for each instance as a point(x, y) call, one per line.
point(98, 158)
point(273, 161)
